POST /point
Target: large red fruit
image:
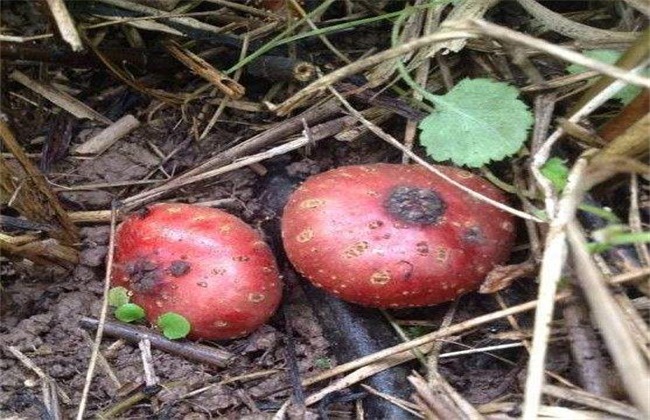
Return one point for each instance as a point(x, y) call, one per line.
point(386, 235)
point(202, 263)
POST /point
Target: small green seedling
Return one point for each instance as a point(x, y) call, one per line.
point(556, 171)
point(323, 363)
point(129, 312)
point(616, 235)
point(478, 121)
point(118, 297)
point(173, 325)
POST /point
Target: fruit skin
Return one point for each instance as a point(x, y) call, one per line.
point(395, 236)
point(199, 262)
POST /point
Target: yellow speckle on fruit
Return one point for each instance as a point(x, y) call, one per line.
point(355, 250)
point(442, 255)
point(267, 270)
point(465, 175)
point(422, 248)
point(372, 193)
point(225, 228)
point(256, 297)
point(312, 203)
point(380, 277)
point(199, 218)
point(220, 324)
point(507, 226)
point(305, 236)
point(375, 224)
point(174, 209)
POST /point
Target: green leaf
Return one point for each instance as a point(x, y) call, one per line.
point(557, 172)
point(129, 312)
point(118, 296)
point(173, 325)
point(625, 95)
point(478, 121)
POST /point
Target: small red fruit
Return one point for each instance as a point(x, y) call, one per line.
point(396, 236)
point(201, 263)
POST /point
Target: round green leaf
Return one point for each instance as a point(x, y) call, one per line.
point(173, 325)
point(129, 312)
point(118, 296)
point(478, 121)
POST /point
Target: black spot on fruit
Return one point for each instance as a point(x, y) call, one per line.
point(143, 212)
point(144, 275)
point(179, 268)
point(474, 235)
point(415, 205)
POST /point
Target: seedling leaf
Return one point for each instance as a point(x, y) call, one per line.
point(625, 95)
point(173, 325)
point(556, 171)
point(129, 312)
point(118, 296)
point(478, 121)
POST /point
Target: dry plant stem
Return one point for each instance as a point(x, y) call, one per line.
point(434, 354)
point(634, 219)
point(283, 130)
point(102, 317)
point(323, 38)
point(630, 114)
point(189, 22)
point(150, 378)
point(633, 143)
point(391, 140)
point(254, 11)
point(149, 195)
point(483, 27)
point(337, 75)
point(358, 375)
point(611, 321)
point(585, 348)
point(427, 338)
point(69, 232)
point(198, 65)
point(641, 5)
point(584, 398)
point(437, 403)
point(550, 273)
point(633, 57)
point(51, 400)
point(404, 405)
point(468, 9)
point(37, 370)
point(543, 152)
point(108, 136)
point(558, 23)
point(59, 98)
point(65, 24)
point(192, 351)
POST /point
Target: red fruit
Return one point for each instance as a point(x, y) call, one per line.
point(395, 236)
point(199, 262)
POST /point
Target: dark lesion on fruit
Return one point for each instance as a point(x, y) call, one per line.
point(179, 268)
point(143, 212)
point(144, 275)
point(473, 235)
point(421, 206)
